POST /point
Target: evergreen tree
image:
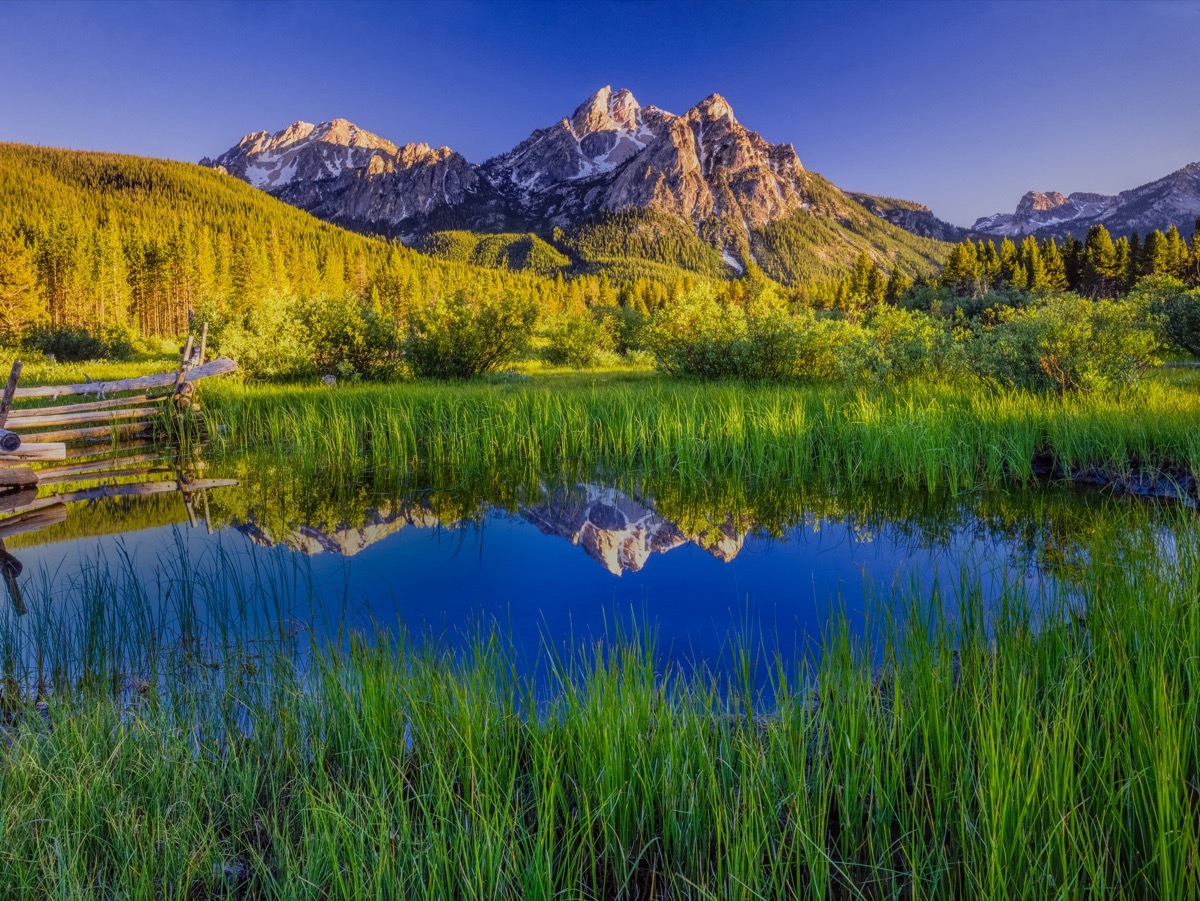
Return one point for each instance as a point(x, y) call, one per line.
point(898, 284)
point(1102, 275)
point(21, 300)
point(1054, 267)
point(961, 272)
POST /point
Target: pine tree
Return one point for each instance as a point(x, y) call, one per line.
point(1101, 276)
point(1054, 267)
point(21, 300)
point(1035, 268)
point(961, 272)
point(898, 284)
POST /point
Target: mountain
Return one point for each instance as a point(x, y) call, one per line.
point(910, 216)
point(1172, 200)
point(612, 160)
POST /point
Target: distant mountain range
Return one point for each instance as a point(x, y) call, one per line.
point(738, 197)
point(734, 198)
point(1171, 200)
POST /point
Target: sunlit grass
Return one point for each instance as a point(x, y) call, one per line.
point(1045, 746)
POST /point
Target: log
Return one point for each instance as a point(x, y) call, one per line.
point(95, 405)
point(10, 391)
point(39, 451)
point(98, 466)
point(11, 501)
point(185, 364)
point(17, 477)
point(104, 475)
point(25, 423)
point(203, 345)
point(50, 515)
point(77, 453)
point(9, 441)
point(139, 489)
point(220, 366)
point(104, 432)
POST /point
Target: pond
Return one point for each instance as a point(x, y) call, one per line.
point(549, 560)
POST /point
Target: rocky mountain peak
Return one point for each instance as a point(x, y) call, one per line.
point(715, 108)
point(1036, 201)
point(606, 111)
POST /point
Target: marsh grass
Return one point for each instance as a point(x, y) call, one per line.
point(935, 438)
point(193, 742)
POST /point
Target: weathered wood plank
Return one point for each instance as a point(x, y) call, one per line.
point(11, 501)
point(10, 569)
point(76, 453)
point(50, 515)
point(99, 465)
point(104, 433)
point(23, 423)
point(95, 405)
point(10, 391)
point(47, 450)
point(138, 489)
point(17, 477)
point(103, 475)
point(220, 366)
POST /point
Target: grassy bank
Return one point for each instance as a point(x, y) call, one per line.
point(1045, 748)
point(930, 437)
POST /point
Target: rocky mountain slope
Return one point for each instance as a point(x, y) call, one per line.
point(1172, 200)
point(910, 216)
point(611, 156)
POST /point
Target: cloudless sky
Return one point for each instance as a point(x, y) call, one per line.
point(962, 106)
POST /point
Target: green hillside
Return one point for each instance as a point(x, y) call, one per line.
point(101, 240)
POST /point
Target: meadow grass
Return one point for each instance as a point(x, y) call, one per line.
point(931, 437)
point(191, 741)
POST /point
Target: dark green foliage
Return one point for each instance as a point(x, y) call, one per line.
point(578, 340)
point(72, 344)
point(501, 251)
point(352, 339)
point(468, 334)
point(644, 237)
point(1066, 343)
point(1176, 309)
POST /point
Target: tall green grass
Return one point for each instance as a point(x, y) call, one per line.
point(927, 437)
point(1043, 747)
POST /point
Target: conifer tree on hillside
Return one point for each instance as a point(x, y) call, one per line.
point(21, 300)
point(1054, 267)
point(1102, 274)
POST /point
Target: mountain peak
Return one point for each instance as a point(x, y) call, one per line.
point(606, 111)
point(715, 107)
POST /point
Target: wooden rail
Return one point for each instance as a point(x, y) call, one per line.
point(219, 366)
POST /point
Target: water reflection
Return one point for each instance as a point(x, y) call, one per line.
point(549, 557)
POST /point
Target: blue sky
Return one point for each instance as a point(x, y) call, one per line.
point(963, 106)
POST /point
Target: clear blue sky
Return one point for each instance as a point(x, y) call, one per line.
point(963, 106)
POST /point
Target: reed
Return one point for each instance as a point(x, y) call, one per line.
point(191, 742)
point(929, 437)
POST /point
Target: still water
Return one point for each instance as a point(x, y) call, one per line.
point(559, 561)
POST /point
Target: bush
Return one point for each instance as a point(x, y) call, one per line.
point(352, 339)
point(1066, 343)
point(1175, 308)
point(464, 336)
point(697, 335)
point(66, 343)
point(894, 346)
point(268, 341)
point(577, 340)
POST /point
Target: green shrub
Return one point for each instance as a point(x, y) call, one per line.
point(697, 335)
point(66, 343)
point(463, 336)
point(352, 339)
point(578, 340)
point(1066, 343)
point(267, 341)
point(1175, 308)
point(894, 346)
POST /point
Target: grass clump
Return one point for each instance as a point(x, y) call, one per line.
point(1046, 746)
point(931, 437)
